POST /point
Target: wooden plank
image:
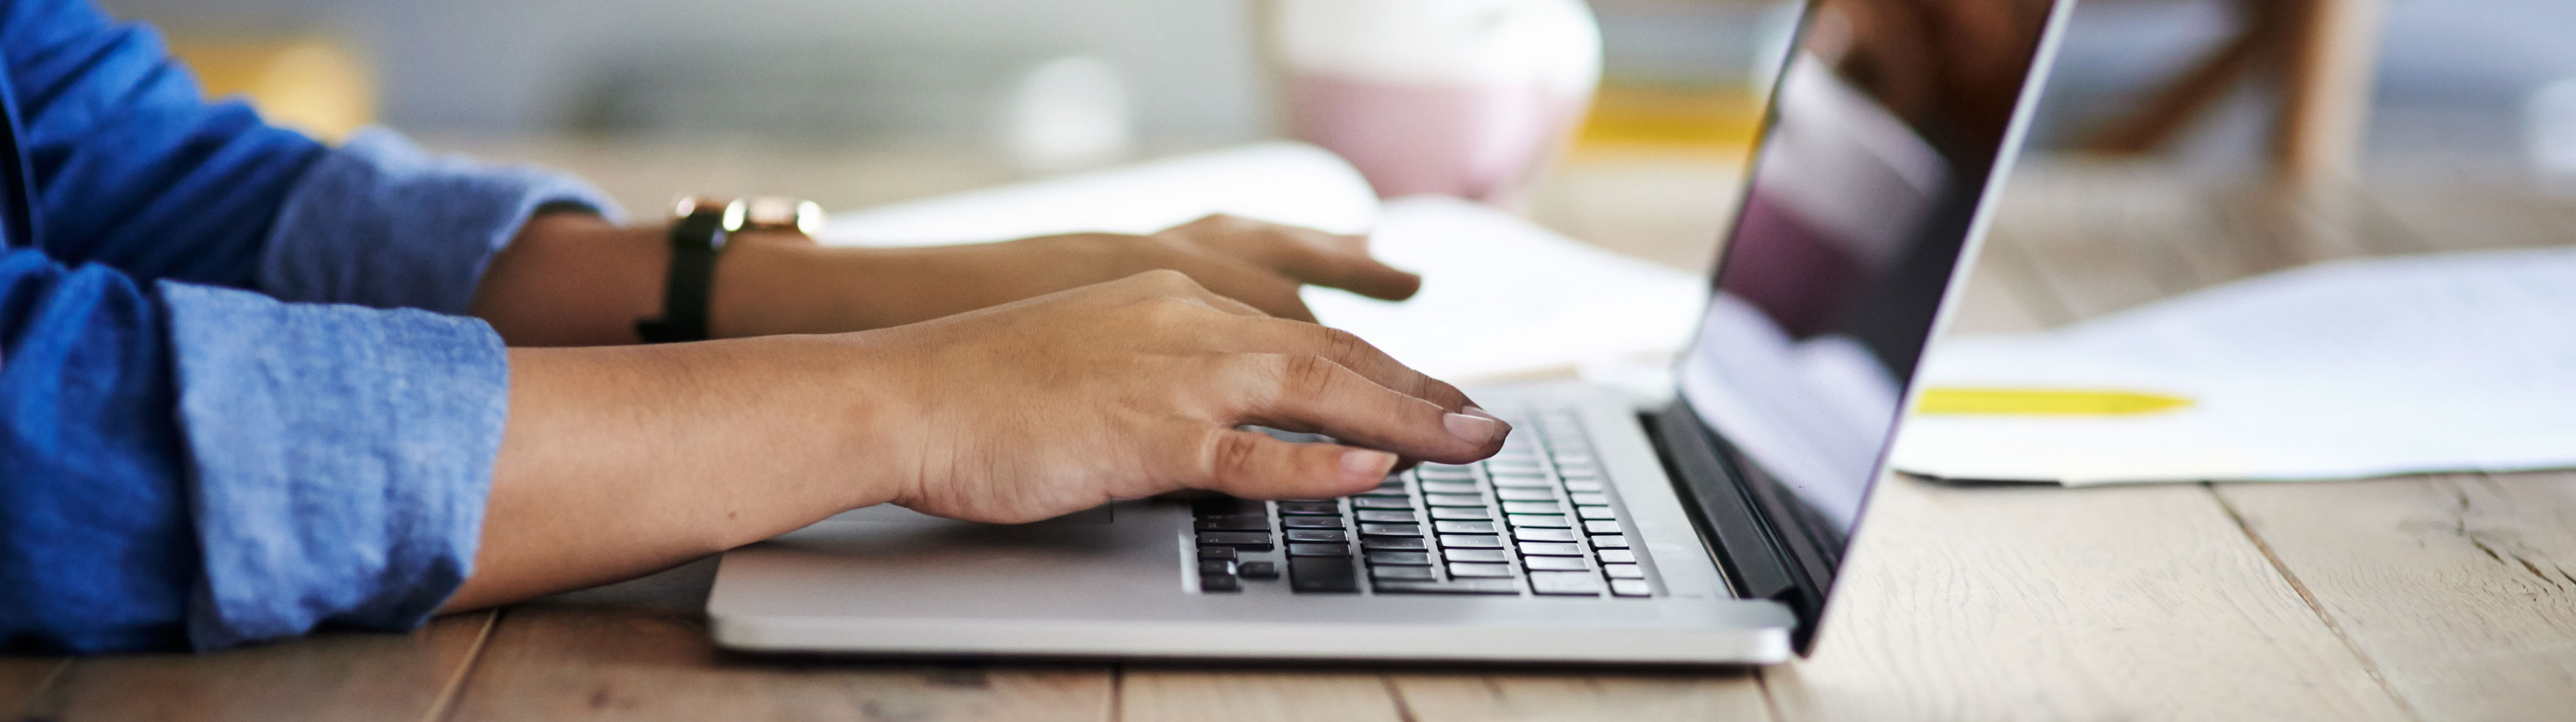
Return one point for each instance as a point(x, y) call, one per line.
point(21, 678)
point(334, 676)
point(2480, 216)
point(2457, 588)
point(620, 662)
point(1193, 694)
point(1628, 697)
point(2029, 602)
point(2036, 602)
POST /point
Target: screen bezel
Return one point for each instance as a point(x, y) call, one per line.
point(1797, 563)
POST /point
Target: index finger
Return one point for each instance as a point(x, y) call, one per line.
point(1305, 254)
point(1274, 335)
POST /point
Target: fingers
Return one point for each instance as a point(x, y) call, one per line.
point(1251, 465)
point(1304, 254)
point(1273, 294)
point(1311, 393)
point(1342, 347)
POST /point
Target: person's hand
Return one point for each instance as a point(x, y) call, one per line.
point(778, 287)
point(1136, 387)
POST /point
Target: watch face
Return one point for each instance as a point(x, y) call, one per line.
point(777, 213)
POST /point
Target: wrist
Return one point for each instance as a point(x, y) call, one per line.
point(573, 279)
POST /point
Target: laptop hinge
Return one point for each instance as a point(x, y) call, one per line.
point(1748, 544)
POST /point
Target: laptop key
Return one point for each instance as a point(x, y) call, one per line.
point(1453, 500)
point(1391, 529)
point(1462, 513)
point(1311, 522)
point(1257, 571)
point(1489, 556)
point(1533, 507)
point(1522, 481)
point(1224, 505)
point(1601, 526)
point(1252, 541)
point(1582, 583)
point(1318, 535)
point(1412, 573)
point(1616, 556)
point(1444, 471)
point(1215, 567)
point(1449, 487)
point(1318, 550)
point(1386, 515)
point(1234, 522)
point(1539, 535)
point(1330, 575)
point(1593, 499)
point(1381, 502)
point(1610, 541)
point(1454, 586)
point(1555, 564)
point(1551, 549)
point(1624, 571)
point(1535, 493)
point(1415, 559)
point(1557, 521)
point(1469, 571)
point(1216, 553)
point(1219, 583)
point(1463, 527)
point(1595, 513)
point(1630, 588)
point(1388, 542)
point(1575, 484)
point(1309, 507)
point(1470, 541)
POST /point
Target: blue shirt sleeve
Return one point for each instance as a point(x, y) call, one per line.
point(198, 465)
point(130, 167)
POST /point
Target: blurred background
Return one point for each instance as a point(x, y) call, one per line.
point(856, 102)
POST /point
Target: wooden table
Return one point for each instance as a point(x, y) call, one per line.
point(2444, 597)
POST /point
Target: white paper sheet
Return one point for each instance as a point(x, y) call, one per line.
point(1281, 182)
point(1501, 297)
point(2456, 362)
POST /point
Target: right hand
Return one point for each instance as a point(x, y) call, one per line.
point(1135, 387)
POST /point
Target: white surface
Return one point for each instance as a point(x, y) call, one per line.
point(1291, 183)
point(2460, 362)
point(1500, 297)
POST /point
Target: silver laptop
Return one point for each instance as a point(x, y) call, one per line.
point(1707, 531)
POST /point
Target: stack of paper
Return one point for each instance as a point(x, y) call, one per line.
point(1501, 297)
point(2459, 362)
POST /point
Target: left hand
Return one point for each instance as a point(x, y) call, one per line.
point(783, 286)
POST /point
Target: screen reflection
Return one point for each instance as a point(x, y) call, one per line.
point(1884, 131)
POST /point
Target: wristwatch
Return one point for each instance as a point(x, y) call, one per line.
point(699, 228)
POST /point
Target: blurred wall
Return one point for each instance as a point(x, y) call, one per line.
point(2458, 76)
point(522, 66)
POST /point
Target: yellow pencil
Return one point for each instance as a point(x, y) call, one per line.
point(2044, 402)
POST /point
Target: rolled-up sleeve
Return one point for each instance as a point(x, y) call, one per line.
point(378, 222)
point(341, 456)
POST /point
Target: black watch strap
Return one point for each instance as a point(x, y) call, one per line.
point(696, 238)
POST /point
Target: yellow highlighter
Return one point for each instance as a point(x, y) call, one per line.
point(2043, 402)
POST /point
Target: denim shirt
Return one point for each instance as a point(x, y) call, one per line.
point(235, 400)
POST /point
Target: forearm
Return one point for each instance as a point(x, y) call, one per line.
point(617, 462)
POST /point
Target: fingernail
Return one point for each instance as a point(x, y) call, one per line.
point(1474, 410)
point(1472, 429)
point(1366, 464)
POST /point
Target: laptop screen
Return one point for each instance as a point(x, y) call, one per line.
point(1889, 120)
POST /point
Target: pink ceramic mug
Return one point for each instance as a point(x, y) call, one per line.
point(1467, 98)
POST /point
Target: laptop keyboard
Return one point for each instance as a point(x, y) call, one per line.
point(1537, 519)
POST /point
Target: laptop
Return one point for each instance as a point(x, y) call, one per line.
point(1709, 530)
